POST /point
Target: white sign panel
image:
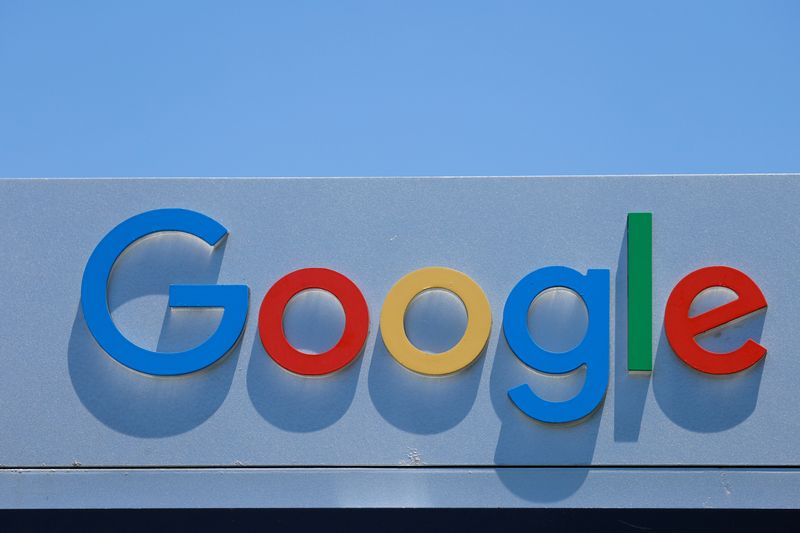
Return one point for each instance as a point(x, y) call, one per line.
point(146, 347)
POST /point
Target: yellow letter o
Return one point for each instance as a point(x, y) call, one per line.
point(466, 351)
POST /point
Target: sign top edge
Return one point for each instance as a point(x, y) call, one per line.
point(403, 177)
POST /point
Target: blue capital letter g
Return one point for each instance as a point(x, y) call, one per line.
point(233, 299)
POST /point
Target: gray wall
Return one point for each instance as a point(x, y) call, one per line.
point(70, 413)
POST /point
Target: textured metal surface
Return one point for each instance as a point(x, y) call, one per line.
point(401, 487)
point(66, 403)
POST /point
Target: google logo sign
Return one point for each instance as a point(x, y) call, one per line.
point(593, 351)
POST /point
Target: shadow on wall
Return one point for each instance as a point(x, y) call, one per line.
point(313, 322)
point(526, 442)
point(696, 401)
point(146, 406)
point(708, 403)
point(417, 403)
point(405, 399)
point(435, 321)
point(299, 403)
point(138, 404)
point(630, 388)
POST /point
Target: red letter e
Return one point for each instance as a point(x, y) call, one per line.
point(682, 329)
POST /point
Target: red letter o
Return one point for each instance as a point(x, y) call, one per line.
point(270, 321)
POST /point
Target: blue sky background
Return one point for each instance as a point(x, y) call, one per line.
point(190, 88)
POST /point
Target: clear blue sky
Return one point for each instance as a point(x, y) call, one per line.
point(232, 88)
